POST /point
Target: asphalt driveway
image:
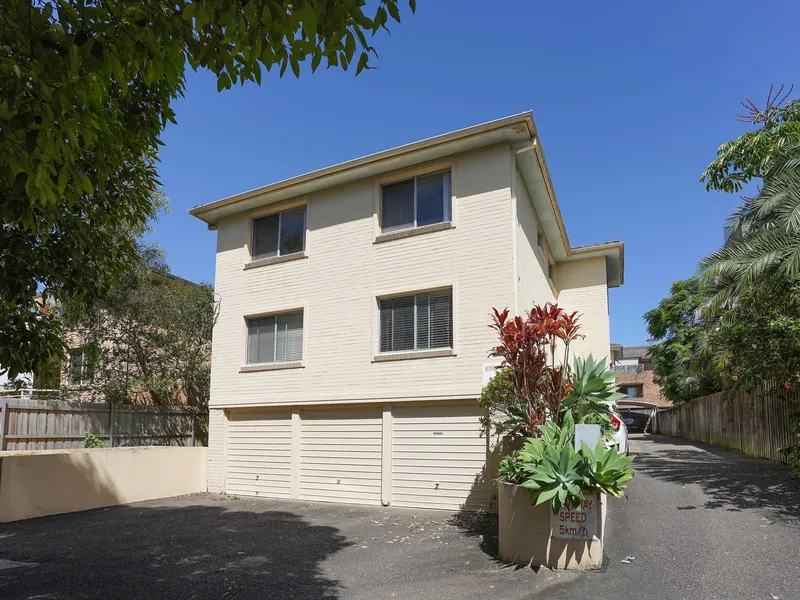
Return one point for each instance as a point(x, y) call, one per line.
point(212, 547)
point(703, 524)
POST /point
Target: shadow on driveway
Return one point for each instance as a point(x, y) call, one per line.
point(197, 550)
point(733, 480)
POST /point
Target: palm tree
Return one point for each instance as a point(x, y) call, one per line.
point(767, 251)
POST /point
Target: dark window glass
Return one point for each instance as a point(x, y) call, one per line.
point(397, 205)
point(75, 367)
point(279, 234)
point(433, 199)
point(293, 231)
point(265, 236)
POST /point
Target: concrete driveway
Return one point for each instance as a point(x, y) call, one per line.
point(212, 547)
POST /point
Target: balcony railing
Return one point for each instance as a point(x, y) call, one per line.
point(628, 368)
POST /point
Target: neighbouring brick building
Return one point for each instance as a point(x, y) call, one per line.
point(635, 377)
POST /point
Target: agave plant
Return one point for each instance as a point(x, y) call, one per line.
point(555, 472)
point(592, 393)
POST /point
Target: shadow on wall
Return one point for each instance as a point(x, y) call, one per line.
point(196, 551)
point(483, 524)
point(734, 481)
point(33, 484)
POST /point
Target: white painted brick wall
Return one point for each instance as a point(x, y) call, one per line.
point(338, 283)
point(582, 287)
point(217, 437)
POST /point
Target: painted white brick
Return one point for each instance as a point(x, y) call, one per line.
point(217, 439)
point(582, 287)
point(337, 285)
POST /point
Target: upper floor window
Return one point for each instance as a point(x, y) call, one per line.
point(81, 371)
point(416, 321)
point(551, 271)
point(540, 239)
point(275, 338)
point(416, 202)
point(279, 234)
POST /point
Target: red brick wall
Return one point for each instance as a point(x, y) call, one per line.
point(652, 392)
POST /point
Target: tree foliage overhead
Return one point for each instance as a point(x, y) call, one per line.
point(766, 252)
point(85, 91)
point(683, 364)
point(750, 156)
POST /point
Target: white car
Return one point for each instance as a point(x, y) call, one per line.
point(620, 429)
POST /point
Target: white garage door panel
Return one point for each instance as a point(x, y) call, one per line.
point(259, 459)
point(340, 456)
point(438, 457)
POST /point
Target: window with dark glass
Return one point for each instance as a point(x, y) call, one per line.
point(279, 234)
point(416, 202)
point(416, 321)
point(80, 370)
point(275, 338)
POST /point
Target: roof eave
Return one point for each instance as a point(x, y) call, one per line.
point(510, 130)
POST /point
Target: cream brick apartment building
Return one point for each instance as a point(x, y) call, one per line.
point(353, 331)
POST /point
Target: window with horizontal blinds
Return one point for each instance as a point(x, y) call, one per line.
point(416, 321)
point(275, 338)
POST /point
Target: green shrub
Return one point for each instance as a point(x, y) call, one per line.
point(551, 468)
point(92, 441)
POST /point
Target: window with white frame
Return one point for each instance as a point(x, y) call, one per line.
point(275, 338)
point(416, 202)
point(551, 271)
point(279, 234)
point(416, 321)
point(80, 370)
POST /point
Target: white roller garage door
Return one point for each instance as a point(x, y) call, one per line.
point(340, 455)
point(259, 454)
point(438, 457)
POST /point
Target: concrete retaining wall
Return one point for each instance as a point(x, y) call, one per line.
point(49, 482)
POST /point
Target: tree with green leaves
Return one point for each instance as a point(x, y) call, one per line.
point(759, 340)
point(149, 341)
point(86, 88)
point(765, 249)
point(683, 362)
point(752, 154)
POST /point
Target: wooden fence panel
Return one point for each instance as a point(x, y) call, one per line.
point(33, 424)
point(758, 424)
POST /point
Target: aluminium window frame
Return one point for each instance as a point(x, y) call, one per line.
point(85, 379)
point(276, 314)
point(414, 295)
point(279, 212)
point(447, 200)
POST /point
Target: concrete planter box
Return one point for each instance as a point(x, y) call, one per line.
point(530, 535)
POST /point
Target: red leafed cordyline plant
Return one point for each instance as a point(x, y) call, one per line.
point(528, 348)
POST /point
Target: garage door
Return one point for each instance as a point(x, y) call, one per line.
point(340, 456)
point(438, 457)
point(259, 454)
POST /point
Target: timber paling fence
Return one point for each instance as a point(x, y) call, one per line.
point(758, 424)
point(35, 424)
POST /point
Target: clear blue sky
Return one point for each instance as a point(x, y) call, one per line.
point(631, 100)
